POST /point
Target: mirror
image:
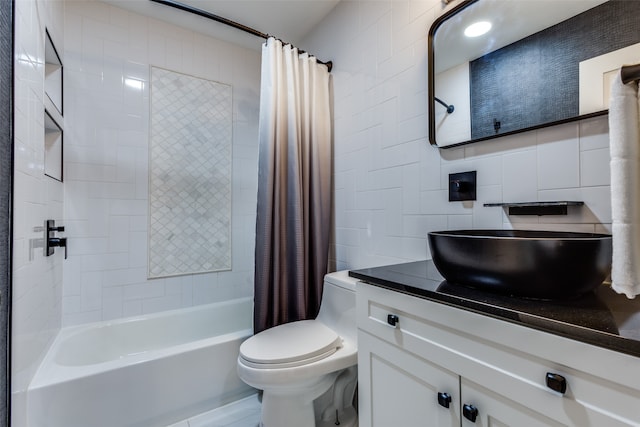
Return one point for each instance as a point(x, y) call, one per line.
point(541, 63)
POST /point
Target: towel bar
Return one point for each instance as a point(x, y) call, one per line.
point(630, 73)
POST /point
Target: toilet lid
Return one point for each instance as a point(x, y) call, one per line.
point(291, 344)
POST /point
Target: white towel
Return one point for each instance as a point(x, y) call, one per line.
point(624, 135)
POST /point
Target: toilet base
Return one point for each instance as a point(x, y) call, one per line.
point(348, 418)
point(293, 407)
point(335, 407)
point(281, 411)
point(294, 412)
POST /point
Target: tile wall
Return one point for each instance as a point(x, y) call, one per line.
point(108, 53)
point(37, 280)
point(391, 185)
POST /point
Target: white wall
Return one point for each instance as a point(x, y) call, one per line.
point(106, 161)
point(37, 280)
point(391, 185)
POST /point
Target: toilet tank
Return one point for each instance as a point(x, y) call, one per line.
point(338, 307)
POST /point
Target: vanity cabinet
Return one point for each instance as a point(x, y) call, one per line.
point(402, 389)
point(417, 355)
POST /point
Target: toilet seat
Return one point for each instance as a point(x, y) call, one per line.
point(289, 345)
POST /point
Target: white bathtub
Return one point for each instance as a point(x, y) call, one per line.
point(145, 371)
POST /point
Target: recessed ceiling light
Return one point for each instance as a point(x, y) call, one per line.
point(477, 29)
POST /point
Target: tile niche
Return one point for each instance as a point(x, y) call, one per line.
point(53, 111)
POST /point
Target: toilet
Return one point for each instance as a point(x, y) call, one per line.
point(307, 370)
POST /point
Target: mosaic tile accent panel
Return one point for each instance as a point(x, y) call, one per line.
point(190, 175)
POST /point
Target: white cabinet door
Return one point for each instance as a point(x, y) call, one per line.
point(399, 389)
point(531, 405)
point(495, 410)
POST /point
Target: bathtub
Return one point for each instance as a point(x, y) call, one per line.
point(144, 371)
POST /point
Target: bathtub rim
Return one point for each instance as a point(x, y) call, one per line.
point(50, 372)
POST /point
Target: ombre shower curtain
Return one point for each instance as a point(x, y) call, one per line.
point(294, 186)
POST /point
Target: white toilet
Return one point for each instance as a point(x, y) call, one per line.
point(307, 369)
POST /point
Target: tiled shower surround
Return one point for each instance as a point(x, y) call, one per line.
point(108, 54)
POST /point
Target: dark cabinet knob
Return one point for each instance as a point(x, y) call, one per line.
point(556, 382)
point(470, 412)
point(392, 319)
point(444, 399)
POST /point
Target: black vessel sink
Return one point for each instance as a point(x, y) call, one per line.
point(532, 264)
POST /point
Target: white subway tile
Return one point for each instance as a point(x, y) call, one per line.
point(91, 291)
point(71, 304)
point(384, 33)
point(594, 167)
point(143, 291)
point(487, 217)
point(205, 288)
point(414, 249)
point(71, 319)
point(101, 262)
point(127, 207)
point(415, 226)
point(411, 189)
point(489, 170)
point(393, 212)
point(412, 129)
point(594, 133)
point(598, 203)
point(137, 249)
point(390, 126)
point(131, 308)
point(459, 222)
point(520, 177)
point(558, 157)
point(154, 305)
point(127, 276)
point(87, 245)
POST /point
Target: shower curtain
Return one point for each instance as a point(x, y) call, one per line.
point(294, 186)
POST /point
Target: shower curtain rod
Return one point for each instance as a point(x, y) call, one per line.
point(228, 22)
point(629, 73)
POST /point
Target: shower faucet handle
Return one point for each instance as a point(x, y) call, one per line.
point(50, 241)
point(51, 226)
point(59, 242)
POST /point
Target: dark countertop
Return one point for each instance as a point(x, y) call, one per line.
point(601, 318)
